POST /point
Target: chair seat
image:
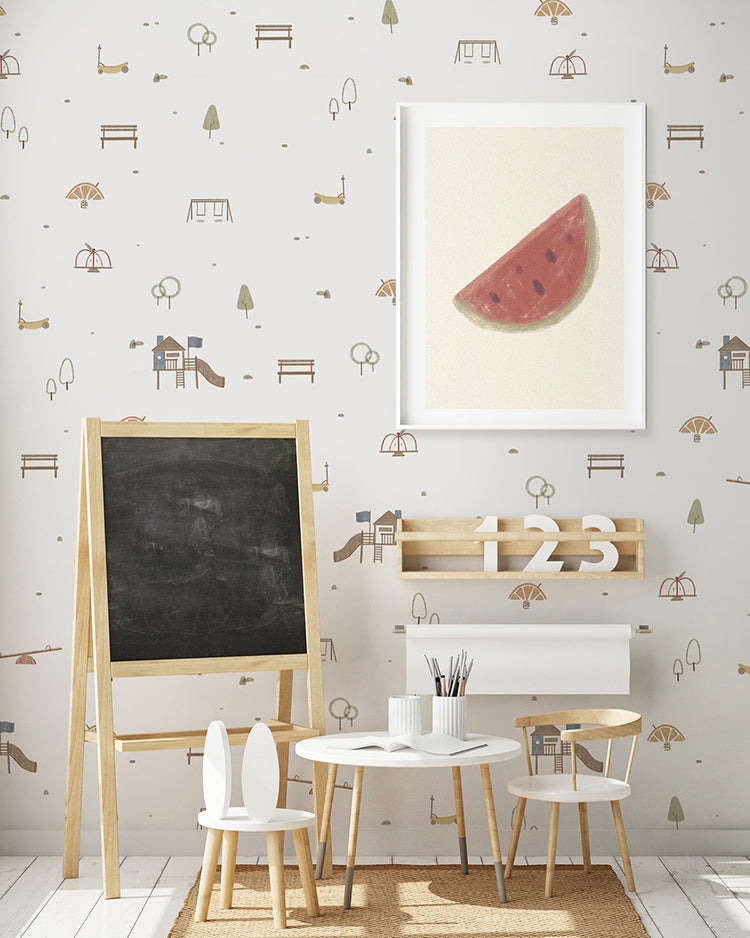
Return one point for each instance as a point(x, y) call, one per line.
point(559, 788)
point(236, 819)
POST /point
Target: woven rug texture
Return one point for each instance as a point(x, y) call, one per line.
point(424, 902)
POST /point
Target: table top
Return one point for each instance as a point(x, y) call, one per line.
point(317, 749)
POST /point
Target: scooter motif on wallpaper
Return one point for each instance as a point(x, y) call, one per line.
point(331, 199)
point(170, 356)
point(108, 69)
point(689, 67)
point(380, 533)
point(440, 819)
point(31, 323)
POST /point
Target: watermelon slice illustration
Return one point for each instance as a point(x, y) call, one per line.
point(540, 280)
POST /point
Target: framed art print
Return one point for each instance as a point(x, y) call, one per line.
point(521, 266)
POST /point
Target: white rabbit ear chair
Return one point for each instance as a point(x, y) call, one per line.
point(260, 791)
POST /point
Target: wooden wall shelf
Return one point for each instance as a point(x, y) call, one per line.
point(452, 548)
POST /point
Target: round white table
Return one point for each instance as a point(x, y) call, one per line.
point(490, 749)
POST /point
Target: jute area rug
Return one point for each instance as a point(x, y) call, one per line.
point(424, 902)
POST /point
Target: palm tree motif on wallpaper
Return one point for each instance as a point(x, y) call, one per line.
point(553, 9)
point(540, 280)
point(380, 533)
point(666, 734)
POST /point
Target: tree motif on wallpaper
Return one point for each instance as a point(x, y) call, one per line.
point(695, 515)
point(66, 375)
point(171, 357)
point(166, 289)
point(675, 812)
point(333, 107)
point(666, 734)
point(7, 121)
point(693, 655)
point(11, 751)
point(379, 534)
point(390, 16)
point(732, 289)
point(201, 35)
point(361, 354)
point(538, 487)
point(211, 120)
point(340, 709)
point(349, 93)
point(245, 299)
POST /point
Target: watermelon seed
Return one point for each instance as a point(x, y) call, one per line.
point(551, 256)
point(569, 238)
point(538, 287)
point(519, 269)
point(494, 297)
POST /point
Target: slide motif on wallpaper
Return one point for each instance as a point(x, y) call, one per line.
point(542, 279)
point(11, 751)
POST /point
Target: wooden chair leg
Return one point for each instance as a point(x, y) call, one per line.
point(554, 817)
point(306, 872)
point(208, 872)
point(228, 864)
point(583, 821)
point(622, 840)
point(275, 848)
point(515, 834)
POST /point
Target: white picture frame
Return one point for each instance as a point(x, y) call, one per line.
point(473, 181)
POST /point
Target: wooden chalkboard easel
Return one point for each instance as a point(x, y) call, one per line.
point(220, 459)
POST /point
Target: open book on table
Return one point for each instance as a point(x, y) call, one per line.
point(434, 744)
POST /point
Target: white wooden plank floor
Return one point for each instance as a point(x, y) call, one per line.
point(677, 897)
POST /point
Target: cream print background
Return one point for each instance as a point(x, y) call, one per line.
point(486, 188)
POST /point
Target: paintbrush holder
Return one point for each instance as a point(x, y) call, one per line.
point(449, 716)
point(405, 715)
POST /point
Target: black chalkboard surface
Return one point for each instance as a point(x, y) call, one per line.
point(203, 547)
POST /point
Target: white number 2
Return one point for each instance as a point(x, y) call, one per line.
point(609, 552)
point(540, 562)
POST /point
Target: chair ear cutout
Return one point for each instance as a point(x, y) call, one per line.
point(217, 770)
point(260, 774)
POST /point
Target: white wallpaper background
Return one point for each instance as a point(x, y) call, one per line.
point(313, 271)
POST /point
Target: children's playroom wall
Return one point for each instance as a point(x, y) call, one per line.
point(199, 223)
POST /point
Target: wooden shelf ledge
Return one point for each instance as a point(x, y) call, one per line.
point(188, 739)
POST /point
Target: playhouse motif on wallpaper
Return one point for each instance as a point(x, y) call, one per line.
point(546, 741)
point(170, 356)
point(379, 534)
point(734, 355)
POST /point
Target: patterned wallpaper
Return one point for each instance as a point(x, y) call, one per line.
point(198, 219)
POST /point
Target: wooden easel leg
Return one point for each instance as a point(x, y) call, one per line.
point(275, 848)
point(78, 678)
point(284, 715)
point(497, 857)
point(228, 865)
point(460, 822)
point(325, 824)
point(351, 853)
point(302, 848)
point(515, 834)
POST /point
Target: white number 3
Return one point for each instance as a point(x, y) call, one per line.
point(609, 552)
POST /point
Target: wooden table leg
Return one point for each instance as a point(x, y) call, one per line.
point(489, 802)
point(275, 848)
point(325, 824)
point(554, 818)
point(302, 849)
point(351, 852)
point(208, 871)
point(228, 865)
point(460, 821)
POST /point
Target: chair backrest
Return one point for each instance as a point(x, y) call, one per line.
point(260, 773)
point(217, 770)
point(609, 724)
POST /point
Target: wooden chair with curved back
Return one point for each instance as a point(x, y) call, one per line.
point(576, 788)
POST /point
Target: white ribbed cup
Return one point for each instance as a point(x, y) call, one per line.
point(449, 716)
point(404, 715)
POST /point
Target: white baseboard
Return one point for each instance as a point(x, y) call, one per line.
point(390, 842)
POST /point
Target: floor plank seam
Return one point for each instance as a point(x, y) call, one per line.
point(33, 860)
point(681, 888)
point(150, 894)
